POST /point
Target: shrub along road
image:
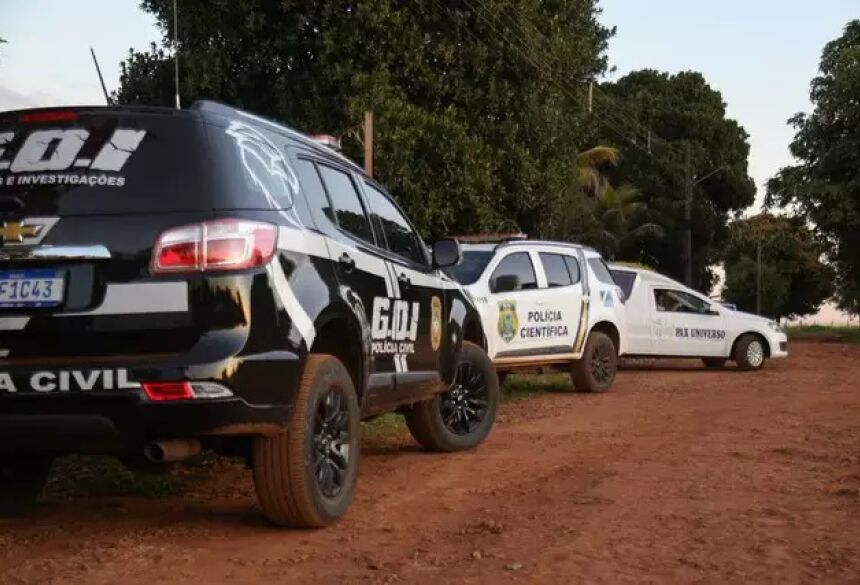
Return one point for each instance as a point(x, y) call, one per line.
point(676, 475)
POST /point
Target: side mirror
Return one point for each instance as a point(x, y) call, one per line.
point(711, 311)
point(446, 253)
point(506, 283)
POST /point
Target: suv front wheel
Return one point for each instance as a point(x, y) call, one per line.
point(22, 480)
point(462, 417)
point(305, 476)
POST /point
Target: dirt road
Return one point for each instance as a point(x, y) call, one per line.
point(677, 475)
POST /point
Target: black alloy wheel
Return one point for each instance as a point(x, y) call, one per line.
point(465, 405)
point(602, 364)
point(331, 443)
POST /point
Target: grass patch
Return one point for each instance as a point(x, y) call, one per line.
point(388, 425)
point(524, 386)
point(824, 333)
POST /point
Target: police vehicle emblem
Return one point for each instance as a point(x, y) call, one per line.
point(508, 322)
point(436, 323)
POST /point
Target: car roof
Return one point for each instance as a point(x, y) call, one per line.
point(516, 243)
point(206, 107)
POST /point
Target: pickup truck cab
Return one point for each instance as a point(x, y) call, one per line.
point(546, 304)
point(667, 319)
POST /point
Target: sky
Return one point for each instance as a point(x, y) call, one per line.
point(761, 54)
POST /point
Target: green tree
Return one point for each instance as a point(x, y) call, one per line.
point(469, 132)
point(686, 118)
point(613, 215)
point(824, 187)
point(795, 281)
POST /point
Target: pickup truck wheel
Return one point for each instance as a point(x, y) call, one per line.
point(21, 482)
point(595, 370)
point(714, 363)
point(462, 417)
point(750, 352)
point(305, 476)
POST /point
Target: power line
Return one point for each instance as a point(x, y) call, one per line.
point(543, 66)
point(610, 117)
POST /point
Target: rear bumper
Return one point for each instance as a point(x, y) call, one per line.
point(41, 416)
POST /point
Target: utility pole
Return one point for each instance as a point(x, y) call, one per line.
point(176, 53)
point(758, 280)
point(368, 143)
point(688, 221)
point(690, 183)
point(590, 95)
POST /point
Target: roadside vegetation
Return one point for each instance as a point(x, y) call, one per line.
point(824, 333)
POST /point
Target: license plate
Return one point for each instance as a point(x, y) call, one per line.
point(30, 288)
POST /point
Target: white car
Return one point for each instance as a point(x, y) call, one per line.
point(667, 319)
point(546, 304)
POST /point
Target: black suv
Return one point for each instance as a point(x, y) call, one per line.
point(172, 281)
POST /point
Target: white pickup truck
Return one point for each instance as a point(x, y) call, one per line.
point(546, 304)
point(667, 319)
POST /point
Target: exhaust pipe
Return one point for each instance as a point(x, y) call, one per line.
point(169, 451)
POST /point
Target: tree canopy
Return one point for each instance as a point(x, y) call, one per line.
point(686, 118)
point(824, 187)
point(469, 131)
point(795, 281)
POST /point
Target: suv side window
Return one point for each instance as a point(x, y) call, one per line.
point(676, 301)
point(519, 265)
point(573, 269)
point(346, 209)
point(601, 271)
point(401, 238)
point(555, 269)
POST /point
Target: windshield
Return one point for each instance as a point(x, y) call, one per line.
point(471, 267)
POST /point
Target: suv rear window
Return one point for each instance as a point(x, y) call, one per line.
point(102, 162)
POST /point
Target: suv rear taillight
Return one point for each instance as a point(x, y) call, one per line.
point(224, 244)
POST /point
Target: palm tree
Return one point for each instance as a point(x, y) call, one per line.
point(616, 213)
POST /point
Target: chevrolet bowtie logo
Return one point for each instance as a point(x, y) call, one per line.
point(13, 231)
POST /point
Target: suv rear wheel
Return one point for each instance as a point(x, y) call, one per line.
point(462, 417)
point(21, 482)
point(595, 370)
point(305, 477)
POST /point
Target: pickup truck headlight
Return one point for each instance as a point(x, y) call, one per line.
point(775, 326)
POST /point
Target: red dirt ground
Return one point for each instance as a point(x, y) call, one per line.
point(676, 475)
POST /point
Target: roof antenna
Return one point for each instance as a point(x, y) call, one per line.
point(101, 79)
point(176, 53)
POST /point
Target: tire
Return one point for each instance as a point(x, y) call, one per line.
point(462, 417)
point(305, 477)
point(750, 352)
point(21, 482)
point(714, 363)
point(595, 370)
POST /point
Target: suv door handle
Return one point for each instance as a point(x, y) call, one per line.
point(346, 262)
point(404, 280)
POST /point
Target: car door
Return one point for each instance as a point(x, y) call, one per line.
point(559, 307)
point(510, 308)
point(364, 279)
point(416, 315)
point(685, 325)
